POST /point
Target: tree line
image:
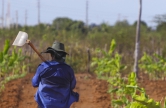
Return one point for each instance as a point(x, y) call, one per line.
point(79, 37)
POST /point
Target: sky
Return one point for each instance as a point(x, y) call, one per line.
point(99, 11)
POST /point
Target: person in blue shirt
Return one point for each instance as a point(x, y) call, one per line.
point(55, 80)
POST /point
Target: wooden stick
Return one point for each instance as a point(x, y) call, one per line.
point(33, 47)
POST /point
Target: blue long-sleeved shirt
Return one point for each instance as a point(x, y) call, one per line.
point(55, 82)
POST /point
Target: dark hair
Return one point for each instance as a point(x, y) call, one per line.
point(58, 55)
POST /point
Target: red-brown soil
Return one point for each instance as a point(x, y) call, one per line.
point(20, 93)
point(155, 89)
point(93, 92)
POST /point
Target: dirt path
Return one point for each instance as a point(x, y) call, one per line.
point(20, 93)
point(155, 89)
point(93, 92)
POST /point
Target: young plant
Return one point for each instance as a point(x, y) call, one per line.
point(129, 95)
point(12, 65)
point(109, 67)
point(154, 65)
point(125, 93)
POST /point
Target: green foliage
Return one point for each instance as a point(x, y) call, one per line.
point(109, 67)
point(68, 25)
point(124, 91)
point(94, 36)
point(123, 23)
point(6, 47)
point(154, 65)
point(11, 65)
point(9, 78)
point(159, 19)
point(143, 24)
point(109, 64)
point(129, 95)
point(1, 56)
point(161, 27)
point(73, 59)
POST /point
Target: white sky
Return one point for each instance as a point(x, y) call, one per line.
point(99, 10)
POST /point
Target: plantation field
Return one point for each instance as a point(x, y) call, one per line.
point(93, 92)
point(105, 50)
point(20, 93)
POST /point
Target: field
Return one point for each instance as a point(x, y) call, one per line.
point(106, 50)
point(93, 92)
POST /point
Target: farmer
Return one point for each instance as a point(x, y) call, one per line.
point(55, 80)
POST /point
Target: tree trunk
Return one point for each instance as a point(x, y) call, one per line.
point(137, 43)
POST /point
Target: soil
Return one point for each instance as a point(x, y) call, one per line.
point(20, 93)
point(93, 92)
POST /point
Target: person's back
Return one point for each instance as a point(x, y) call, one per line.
point(56, 82)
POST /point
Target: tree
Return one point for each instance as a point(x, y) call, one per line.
point(123, 23)
point(142, 23)
point(137, 43)
point(78, 26)
point(62, 23)
point(104, 27)
point(161, 26)
point(159, 19)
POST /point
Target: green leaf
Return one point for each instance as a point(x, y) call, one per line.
point(6, 47)
point(137, 105)
point(118, 102)
point(1, 57)
point(114, 90)
point(141, 98)
point(112, 47)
